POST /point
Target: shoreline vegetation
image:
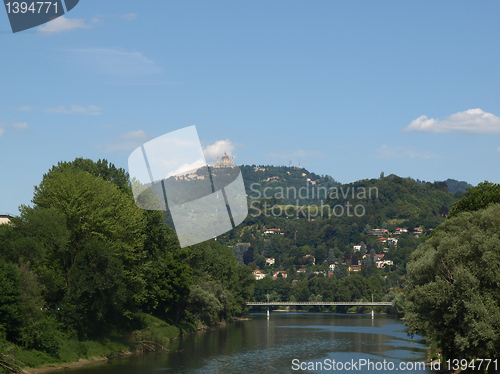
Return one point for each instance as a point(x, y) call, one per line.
point(151, 338)
point(87, 274)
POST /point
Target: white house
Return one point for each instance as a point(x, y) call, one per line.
point(270, 261)
point(258, 275)
point(272, 231)
point(4, 218)
point(392, 241)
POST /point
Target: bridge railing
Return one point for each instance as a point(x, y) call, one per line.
point(323, 303)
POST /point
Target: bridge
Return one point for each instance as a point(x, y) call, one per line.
point(320, 303)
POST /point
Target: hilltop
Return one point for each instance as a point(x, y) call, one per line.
point(294, 213)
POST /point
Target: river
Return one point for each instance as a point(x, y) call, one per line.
point(284, 343)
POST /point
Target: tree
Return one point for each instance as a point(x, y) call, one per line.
point(476, 198)
point(248, 255)
point(10, 306)
point(169, 276)
point(101, 168)
point(96, 209)
point(452, 293)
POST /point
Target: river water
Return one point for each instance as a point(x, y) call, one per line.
point(284, 343)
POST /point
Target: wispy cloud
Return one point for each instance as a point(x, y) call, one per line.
point(114, 62)
point(128, 16)
point(399, 152)
point(63, 24)
point(474, 121)
point(217, 149)
point(126, 142)
point(498, 150)
point(25, 108)
point(18, 125)
point(75, 109)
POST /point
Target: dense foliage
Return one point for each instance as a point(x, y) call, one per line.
point(452, 293)
point(84, 262)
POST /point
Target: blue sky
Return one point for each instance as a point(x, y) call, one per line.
point(349, 89)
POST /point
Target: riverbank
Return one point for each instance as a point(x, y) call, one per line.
point(73, 365)
point(71, 353)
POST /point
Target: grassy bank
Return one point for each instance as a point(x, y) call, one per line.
point(152, 334)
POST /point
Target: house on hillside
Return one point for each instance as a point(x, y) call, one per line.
point(400, 231)
point(357, 248)
point(383, 263)
point(272, 179)
point(278, 273)
point(392, 241)
point(354, 268)
point(272, 231)
point(417, 231)
point(5, 218)
point(309, 257)
point(270, 261)
point(379, 232)
point(258, 274)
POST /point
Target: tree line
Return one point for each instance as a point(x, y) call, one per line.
point(84, 262)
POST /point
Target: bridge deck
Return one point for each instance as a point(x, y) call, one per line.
point(323, 303)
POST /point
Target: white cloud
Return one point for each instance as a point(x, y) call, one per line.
point(471, 121)
point(129, 16)
point(127, 142)
point(19, 125)
point(498, 150)
point(217, 149)
point(14, 124)
point(114, 62)
point(62, 24)
point(92, 110)
point(25, 108)
point(399, 152)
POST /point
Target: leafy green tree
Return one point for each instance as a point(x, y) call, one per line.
point(97, 292)
point(168, 276)
point(96, 209)
point(452, 293)
point(101, 168)
point(479, 197)
point(11, 317)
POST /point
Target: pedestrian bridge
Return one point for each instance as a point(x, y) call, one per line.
point(322, 303)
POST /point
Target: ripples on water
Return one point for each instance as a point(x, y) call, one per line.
point(269, 346)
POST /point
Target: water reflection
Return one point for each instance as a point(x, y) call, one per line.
point(269, 345)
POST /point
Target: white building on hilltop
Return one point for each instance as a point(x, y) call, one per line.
point(224, 162)
point(5, 218)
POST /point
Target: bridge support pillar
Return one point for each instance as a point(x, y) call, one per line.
point(268, 311)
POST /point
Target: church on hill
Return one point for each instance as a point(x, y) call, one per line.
point(224, 162)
